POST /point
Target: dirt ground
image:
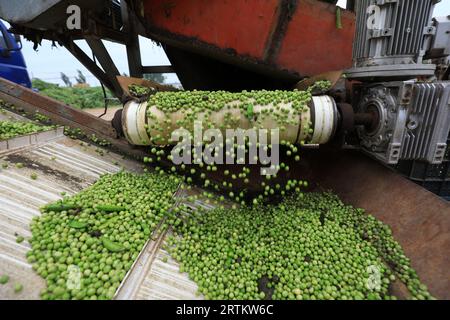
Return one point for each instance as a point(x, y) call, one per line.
point(109, 115)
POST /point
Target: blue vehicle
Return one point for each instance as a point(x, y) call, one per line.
point(12, 63)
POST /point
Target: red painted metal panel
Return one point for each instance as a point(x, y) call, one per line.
point(243, 25)
point(298, 36)
point(313, 44)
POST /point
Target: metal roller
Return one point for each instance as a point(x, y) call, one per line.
point(322, 116)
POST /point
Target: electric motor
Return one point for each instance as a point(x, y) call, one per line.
point(392, 38)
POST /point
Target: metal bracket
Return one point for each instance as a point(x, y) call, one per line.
point(379, 33)
point(384, 2)
point(429, 30)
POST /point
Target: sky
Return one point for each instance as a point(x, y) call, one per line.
point(48, 62)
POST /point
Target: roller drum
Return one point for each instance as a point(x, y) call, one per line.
point(317, 124)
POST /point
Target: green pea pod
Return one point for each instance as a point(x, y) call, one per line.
point(109, 208)
point(59, 207)
point(4, 279)
point(77, 224)
point(338, 18)
point(112, 246)
point(250, 112)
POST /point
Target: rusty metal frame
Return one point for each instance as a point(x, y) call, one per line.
point(157, 69)
point(31, 102)
point(132, 42)
point(58, 112)
point(106, 62)
point(279, 30)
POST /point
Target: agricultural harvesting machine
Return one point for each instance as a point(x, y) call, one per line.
point(388, 110)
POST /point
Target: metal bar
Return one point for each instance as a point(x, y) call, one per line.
point(31, 102)
point(132, 43)
point(351, 5)
point(58, 112)
point(110, 69)
point(101, 31)
point(108, 34)
point(157, 69)
point(6, 146)
point(78, 53)
point(285, 11)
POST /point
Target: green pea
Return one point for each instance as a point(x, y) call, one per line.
point(18, 288)
point(4, 279)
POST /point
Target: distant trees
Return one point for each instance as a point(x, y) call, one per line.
point(157, 77)
point(41, 85)
point(80, 96)
point(81, 79)
point(66, 80)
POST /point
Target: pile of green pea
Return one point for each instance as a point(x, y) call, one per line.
point(12, 129)
point(139, 91)
point(100, 232)
point(310, 246)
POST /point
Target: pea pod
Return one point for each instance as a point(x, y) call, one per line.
point(250, 112)
point(338, 18)
point(59, 207)
point(77, 224)
point(112, 246)
point(110, 208)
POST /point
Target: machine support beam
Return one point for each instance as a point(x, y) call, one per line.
point(132, 42)
point(110, 69)
point(58, 112)
point(351, 5)
point(157, 69)
point(78, 53)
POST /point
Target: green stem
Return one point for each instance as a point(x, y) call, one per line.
point(338, 18)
